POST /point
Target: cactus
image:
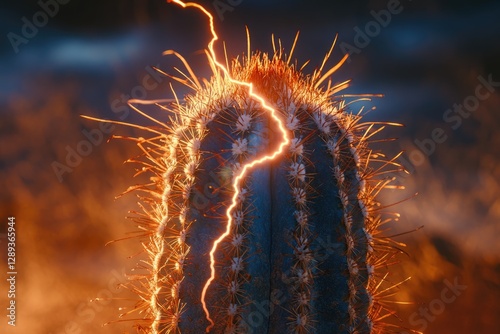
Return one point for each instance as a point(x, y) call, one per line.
point(303, 252)
point(302, 255)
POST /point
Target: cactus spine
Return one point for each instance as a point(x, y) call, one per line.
point(302, 255)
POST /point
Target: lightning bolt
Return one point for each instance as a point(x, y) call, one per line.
point(246, 167)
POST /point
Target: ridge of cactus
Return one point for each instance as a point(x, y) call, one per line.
point(305, 252)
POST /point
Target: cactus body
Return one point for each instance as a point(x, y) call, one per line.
point(301, 254)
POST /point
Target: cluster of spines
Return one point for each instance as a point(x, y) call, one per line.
point(176, 164)
point(241, 118)
point(169, 240)
point(336, 128)
point(345, 153)
point(301, 277)
point(168, 248)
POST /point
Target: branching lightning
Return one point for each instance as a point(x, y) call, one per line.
point(236, 183)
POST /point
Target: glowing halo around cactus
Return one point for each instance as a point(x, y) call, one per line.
point(248, 231)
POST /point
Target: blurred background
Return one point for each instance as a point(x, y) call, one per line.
point(436, 62)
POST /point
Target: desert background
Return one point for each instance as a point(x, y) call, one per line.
point(90, 55)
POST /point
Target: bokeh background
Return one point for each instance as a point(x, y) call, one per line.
point(90, 55)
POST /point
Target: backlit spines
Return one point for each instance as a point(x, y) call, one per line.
point(305, 225)
point(242, 118)
point(341, 145)
point(301, 276)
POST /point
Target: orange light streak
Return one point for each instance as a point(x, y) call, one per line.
point(246, 167)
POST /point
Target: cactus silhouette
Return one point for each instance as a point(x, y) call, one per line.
point(303, 253)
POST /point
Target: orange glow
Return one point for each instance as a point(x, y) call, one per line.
point(246, 167)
